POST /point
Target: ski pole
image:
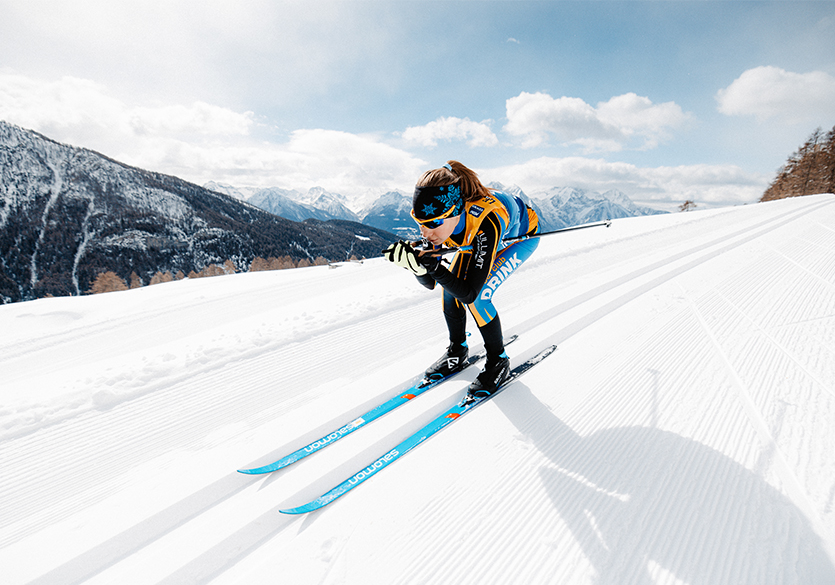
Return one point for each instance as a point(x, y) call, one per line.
point(442, 251)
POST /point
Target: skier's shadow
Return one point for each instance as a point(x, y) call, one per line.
point(641, 501)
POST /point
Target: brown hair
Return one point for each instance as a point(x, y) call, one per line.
point(471, 188)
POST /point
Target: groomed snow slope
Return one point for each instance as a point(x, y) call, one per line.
point(684, 431)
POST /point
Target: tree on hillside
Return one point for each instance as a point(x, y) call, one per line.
point(107, 282)
point(259, 264)
point(227, 267)
point(809, 170)
point(160, 277)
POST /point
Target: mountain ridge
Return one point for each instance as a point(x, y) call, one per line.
point(68, 214)
point(557, 207)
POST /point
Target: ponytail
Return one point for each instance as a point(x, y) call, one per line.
point(454, 172)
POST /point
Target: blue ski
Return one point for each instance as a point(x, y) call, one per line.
point(373, 414)
point(416, 439)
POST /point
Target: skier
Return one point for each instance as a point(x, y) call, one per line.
point(454, 209)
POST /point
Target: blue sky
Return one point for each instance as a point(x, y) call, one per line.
point(665, 101)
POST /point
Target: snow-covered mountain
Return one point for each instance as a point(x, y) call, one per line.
point(68, 214)
point(682, 432)
point(333, 204)
point(316, 203)
point(392, 212)
point(558, 207)
point(242, 193)
point(561, 207)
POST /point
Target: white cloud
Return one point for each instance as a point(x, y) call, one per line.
point(201, 142)
point(198, 118)
point(637, 116)
point(85, 110)
point(709, 184)
point(282, 53)
point(475, 133)
point(348, 163)
point(338, 161)
point(771, 92)
point(621, 122)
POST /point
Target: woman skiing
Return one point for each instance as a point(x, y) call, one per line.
point(454, 209)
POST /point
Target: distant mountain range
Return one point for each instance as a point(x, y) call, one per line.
point(68, 214)
point(561, 207)
point(389, 212)
point(557, 208)
point(294, 205)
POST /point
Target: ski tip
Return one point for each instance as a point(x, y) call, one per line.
point(545, 352)
point(302, 509)
point(259, 470)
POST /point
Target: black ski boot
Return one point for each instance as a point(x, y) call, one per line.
point(496, 371)
point(454, 360)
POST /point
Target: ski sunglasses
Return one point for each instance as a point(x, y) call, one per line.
point(435, 222)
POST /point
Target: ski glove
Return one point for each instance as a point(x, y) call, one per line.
point(402, 254)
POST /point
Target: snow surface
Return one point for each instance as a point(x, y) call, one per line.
point(683, 432)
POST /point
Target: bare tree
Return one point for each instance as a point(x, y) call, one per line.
point(809, 170)
point(107, 282)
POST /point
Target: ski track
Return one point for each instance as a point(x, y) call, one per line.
point(167, 368)
point(631, 481)
point(207, 405)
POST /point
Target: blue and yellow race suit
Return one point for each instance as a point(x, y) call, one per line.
point(475, 274)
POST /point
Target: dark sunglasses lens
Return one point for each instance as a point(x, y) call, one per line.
point(433, 224)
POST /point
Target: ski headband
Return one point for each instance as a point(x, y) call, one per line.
point(432, 205)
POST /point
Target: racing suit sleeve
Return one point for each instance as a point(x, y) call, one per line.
point(470, 270)
point(426, 280)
